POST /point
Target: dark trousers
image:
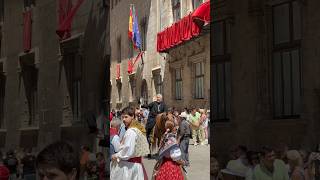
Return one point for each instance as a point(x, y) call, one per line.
point(184, 146)
point(149, 126)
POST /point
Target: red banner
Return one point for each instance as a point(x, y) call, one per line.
point(65, 7)
point(27, 30)
point(132, 62)
point(118, 72)
point(66, 17)
point(130, 66)
point(202, 14)
point(176, 34)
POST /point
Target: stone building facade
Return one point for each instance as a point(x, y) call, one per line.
point(48, 93)
point(265, 57)
point(153, 76)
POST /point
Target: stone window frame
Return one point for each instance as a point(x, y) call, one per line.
point(119, 85)
point(198, 77)
point(192, 61)
point(133, 86)
point(174, 9)
point(282, 48)
point(3, 72)
point(105, 3)
point(36, 64)
point(29, 4)
point(178, 80)
point(119, 50)
point(2, 4)
point(111, 90)
point(222, 59)
point(74, 45)
point(143, 30)
point(156, 75)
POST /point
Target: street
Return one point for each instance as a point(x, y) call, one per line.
point(199, 163)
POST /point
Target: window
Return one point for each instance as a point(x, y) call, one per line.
point(133, 88)
point(199, 80)
point(221, 71)
point(287, 59)
point(119, 87)
point(29, 3)
point(119, 50)
point(105, 3)
point(222, 91)
point(73, 72)
point(196, 3)
point(30, 79)
point(176, 9)
point(144, 33)
point(144, 92)
point(178, 84)
point(111, 95)
point(1, 10)
point(162, 14)
point(2, 97)
point(76, 99)
point(158, 84)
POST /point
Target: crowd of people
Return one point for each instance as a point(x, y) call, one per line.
point(56, 160)
point(17, 165)
point(134, 132)
point(268, 164)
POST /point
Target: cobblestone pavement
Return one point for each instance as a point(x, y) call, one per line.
point(199, 163)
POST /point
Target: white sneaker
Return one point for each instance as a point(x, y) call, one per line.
point(195, 144)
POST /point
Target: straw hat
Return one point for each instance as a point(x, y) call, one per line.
point(236, 168)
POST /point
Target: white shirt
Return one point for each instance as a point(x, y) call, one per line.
point(127, 146)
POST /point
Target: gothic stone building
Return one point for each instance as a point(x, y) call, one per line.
point(264, 68)
point(154, 75)
point(47, 91)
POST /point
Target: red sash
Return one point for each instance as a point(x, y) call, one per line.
point(139, 160)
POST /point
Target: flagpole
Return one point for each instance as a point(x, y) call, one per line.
point(141, 57)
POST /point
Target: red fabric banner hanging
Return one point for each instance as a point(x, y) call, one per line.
point(185, 29)
point(130, 66)
point(118, 72)
point(65, 7)
point(27, 30)
point(181, 31)
point(132, 62)
point(65, 24)
point(201, 15)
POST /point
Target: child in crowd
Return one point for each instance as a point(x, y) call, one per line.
point(184, 134)
point(114, 136)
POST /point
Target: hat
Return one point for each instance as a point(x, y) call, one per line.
point(236, 168)
point(170, 142)
point(183, 115)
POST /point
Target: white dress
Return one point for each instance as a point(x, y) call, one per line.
point(122, 169)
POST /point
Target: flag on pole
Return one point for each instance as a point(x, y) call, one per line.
point(130, 32)
point(133, 32)
point(136, 34)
